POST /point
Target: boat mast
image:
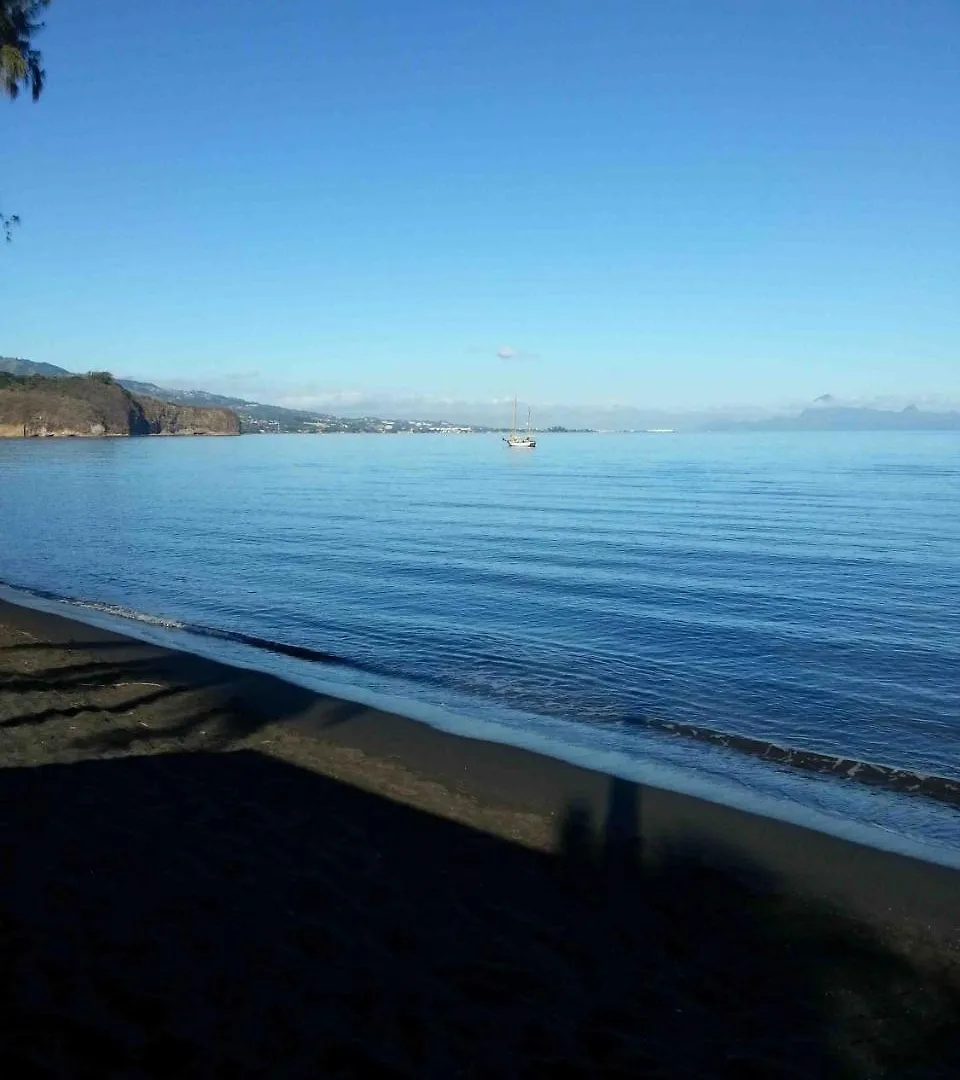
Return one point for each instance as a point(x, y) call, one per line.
point(513, 430)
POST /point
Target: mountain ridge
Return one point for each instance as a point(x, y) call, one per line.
point(826, 416)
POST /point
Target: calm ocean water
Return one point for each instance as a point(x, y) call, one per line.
point(629, 601)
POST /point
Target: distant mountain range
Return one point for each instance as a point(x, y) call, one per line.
point(828, 414)
point(826, 417)
point(824, 414)
point(248, 410)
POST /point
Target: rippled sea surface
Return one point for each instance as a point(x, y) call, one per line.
point(797, 590)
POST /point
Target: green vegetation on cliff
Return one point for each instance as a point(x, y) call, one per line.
point(96, 404)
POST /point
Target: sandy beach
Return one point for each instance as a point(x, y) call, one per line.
point(208, 872)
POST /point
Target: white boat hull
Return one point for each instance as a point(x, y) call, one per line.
point(518, 440)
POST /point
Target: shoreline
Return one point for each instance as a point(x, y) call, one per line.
point(209, 871)
point(127, 435)
point(725, 783)
point(874, 883)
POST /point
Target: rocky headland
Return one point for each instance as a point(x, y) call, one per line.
point(97, 405)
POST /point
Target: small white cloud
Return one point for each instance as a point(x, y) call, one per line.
point(508, 352)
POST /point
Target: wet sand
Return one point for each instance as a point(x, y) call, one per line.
point(209, 872)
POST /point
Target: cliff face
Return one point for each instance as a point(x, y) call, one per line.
point(85, 406)
point(165, 418)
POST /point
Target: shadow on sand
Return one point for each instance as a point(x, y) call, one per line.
point(186, 695)
point(222, 913)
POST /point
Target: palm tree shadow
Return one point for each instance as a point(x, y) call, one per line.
point(187, 697)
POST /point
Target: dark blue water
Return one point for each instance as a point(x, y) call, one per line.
point(620, 598)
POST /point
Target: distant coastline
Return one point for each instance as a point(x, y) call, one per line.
point(414, 417)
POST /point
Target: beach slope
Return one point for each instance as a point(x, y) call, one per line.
point(207, 871)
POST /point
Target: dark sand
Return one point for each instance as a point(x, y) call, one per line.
point(207, 872)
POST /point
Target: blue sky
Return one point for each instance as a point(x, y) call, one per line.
point(682, 202)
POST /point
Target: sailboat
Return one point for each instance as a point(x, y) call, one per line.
point(518, 440)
